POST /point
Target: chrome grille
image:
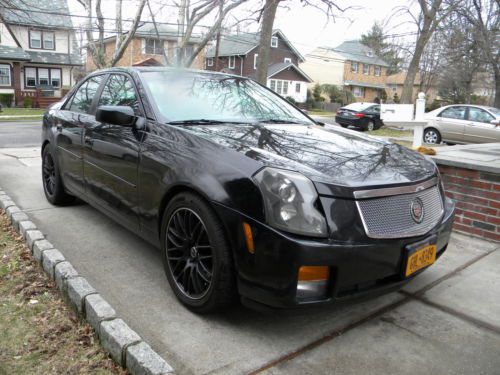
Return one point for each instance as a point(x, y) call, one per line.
point(390, 217)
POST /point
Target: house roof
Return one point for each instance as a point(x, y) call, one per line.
point(38, 13)
point(365, 84)
point(241, 44)
point(13, 53)
point(354, 50)
point(166, 32)
point(54, 58)
point(279, 67)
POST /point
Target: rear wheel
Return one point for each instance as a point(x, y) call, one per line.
point(52, 183)
point(370, 126)
point(196, 256)
point(432, 136)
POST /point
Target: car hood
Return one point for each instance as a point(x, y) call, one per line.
point(332, 158)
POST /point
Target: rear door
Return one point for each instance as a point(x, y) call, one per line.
point(451, 123)
point(479, 128)
point(112, 154)
point(69, 133)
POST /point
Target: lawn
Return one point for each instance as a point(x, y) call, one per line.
point(39, 334)
point(316, 112)
point(22, 111)
point(391, 132)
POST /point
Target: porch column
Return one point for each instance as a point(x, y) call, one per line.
point(16, 82)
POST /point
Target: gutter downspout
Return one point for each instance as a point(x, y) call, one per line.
point(241, 66)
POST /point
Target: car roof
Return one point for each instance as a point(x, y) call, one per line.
point(139, 69)
point(485, 107)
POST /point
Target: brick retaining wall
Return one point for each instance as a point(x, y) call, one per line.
point(477, 196)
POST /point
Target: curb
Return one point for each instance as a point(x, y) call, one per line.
point(122, 343)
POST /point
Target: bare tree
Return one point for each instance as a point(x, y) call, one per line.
point(189, 18)
point(95, 46)
point(484, 17)
point(268, 14)
point(432, 13)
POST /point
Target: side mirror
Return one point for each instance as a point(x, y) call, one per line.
point(495, 122)
point(116, 115)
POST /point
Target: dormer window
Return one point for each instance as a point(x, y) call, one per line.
point(41, 39)
point(274, 42)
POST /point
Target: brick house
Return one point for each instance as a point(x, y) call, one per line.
point(146, 47)
point(351, 65)
point(395, 83)
point(38, 51)
point(238, 54)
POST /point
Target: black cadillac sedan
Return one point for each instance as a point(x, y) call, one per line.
point(243, 193)
point(364, 116)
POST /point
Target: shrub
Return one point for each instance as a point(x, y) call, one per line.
point(6, 99)
point(291, 100)
point(395, 98)
point(317, 93)
point(28, 102)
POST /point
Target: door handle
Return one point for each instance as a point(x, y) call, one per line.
point(88, 140)
point(59, 127)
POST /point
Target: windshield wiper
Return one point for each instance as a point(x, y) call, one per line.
point(279, 121)
point(201, 121)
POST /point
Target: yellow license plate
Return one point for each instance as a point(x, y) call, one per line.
point(421, 258)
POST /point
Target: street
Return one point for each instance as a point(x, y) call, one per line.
point(447, 320)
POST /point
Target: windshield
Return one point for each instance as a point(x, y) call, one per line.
point(212, 97)
point(494, 110)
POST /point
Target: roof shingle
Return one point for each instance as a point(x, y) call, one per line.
point(46, 13)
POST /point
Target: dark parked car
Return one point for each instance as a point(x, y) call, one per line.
point(364, 116)
point(244, 194)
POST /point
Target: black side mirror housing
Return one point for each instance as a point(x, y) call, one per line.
point(116, 115)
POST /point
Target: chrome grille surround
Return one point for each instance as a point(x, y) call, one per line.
point(390, 216)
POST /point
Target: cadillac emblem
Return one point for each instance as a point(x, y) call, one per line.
point(417, 210)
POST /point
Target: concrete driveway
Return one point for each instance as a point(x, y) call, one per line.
point(446, 321)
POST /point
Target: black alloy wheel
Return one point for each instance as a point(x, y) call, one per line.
point(51, 179)
point(189, 253)
point(197, 259)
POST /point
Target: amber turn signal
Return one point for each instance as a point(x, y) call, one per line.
point(247, 229)
point(314, 273)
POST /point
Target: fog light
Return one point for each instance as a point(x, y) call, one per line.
point(313, 282)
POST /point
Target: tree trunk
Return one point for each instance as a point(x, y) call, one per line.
point(266, 33)
point(496, 103)
point(181, 21)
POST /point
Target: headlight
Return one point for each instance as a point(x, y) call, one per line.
point(289, 199)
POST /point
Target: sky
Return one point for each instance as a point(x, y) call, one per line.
point(305, 26)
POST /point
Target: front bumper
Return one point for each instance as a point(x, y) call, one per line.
point(357, 269)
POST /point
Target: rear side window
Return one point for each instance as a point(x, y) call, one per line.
point(82, 100)
point(454, 113)
point(479, 115)
point(119, 90)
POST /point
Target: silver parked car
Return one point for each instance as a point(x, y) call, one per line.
point(463, 123)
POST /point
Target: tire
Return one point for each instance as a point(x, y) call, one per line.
point(196, 256)
point(344, 126)
point(370, 126)
point(432, 136)
point(51, 179)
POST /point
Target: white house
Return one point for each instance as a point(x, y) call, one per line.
point(38, 50)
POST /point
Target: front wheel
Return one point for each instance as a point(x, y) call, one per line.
point(51, 179)
point(196, 256)
point(432, 136)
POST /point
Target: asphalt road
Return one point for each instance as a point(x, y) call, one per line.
point(20, 134)
point(446, 321)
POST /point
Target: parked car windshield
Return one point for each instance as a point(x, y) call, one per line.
point(494, 110)
point(193, 96)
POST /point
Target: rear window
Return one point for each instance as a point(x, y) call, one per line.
point(358, 106)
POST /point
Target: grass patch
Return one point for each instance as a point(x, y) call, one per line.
point(391, 132)
point(39, 334)
point(22, 112)
point(316, 112)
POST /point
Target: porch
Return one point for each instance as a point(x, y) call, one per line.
point(39, 97)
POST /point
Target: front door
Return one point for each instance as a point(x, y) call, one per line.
point(69, 133)
point(451, 123)
point(479, 128)
point(111, 154)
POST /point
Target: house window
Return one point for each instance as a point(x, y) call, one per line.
point(30, 74)
point(273, 85)
point(35, 39)
point(43, 77)
point(55, 77)
point(5, 75)
point(377, 71)
point(287, 60)
point(354, 67)
point(297, 87)
point(274, 42)
point(285, 87)
point(41, 39)
point(255, 60)
point(210, 61)
point(366, 69)
point(358, 92)
point(280, 86)
point(48, 40)
point(154, 47)
point(232, 61)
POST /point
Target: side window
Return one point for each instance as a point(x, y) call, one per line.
point(457, 113)
point(479, 115)
point(82, 100)
point(119, 90)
